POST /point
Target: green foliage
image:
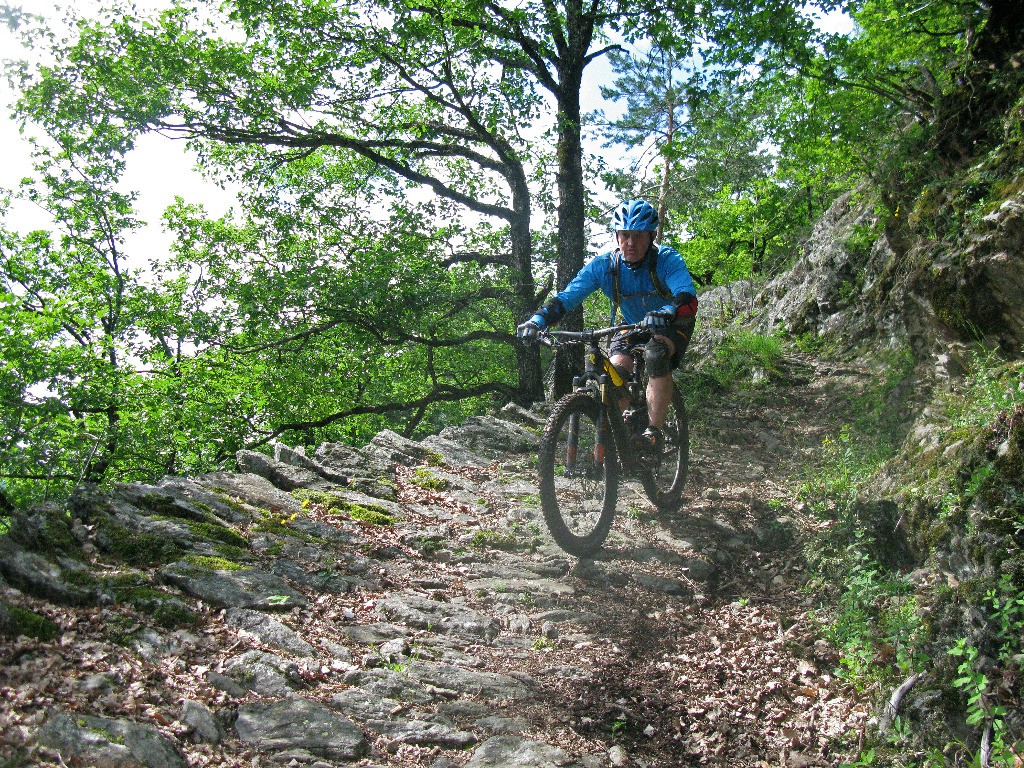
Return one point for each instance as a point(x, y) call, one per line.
point(850, 458)
point(739, 358)
point(846, 462)
point(861, 238)
point(988, 686)
point(427, 480)
point(990, 387)
point(876, 622)
point(874, 618)
point(311, 315)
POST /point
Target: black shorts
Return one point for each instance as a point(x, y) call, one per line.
point(678, 333)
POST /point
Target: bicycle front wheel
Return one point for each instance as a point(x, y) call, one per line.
point(666, 473)
point(578, 475)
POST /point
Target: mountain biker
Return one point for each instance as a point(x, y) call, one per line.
point(651, 286)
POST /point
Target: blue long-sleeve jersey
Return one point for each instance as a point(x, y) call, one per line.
point(637, 291)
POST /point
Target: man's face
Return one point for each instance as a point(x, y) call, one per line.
point(634, 243)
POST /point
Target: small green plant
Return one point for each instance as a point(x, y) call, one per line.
point(370, 514)
point(429, 545)
point(866, 759)
point(277, 599)
point(989, 388)
point(986, 698)
point(427, 480)
point(495, 539)
point(543, 644)
point(876, 626)
point(862, 237)
point(973, 683)
point(618, 726)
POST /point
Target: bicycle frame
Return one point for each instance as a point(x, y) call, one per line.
point(603, 380)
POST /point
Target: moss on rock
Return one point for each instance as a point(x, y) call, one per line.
point(136, 589)
point(219, 533)
point(367, 513)
point(427, 480)
point(136, 547)
point(323, 498)
point(211, 563)
point(15, 621)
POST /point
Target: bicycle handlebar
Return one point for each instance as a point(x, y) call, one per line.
point(562, 338)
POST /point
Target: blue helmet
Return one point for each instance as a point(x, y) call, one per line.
point(635, 215)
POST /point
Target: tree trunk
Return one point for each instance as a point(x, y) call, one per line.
point(666, 171)
point(571, 191)
point(529, 387)
point(571, 240)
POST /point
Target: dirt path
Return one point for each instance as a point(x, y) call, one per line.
point(734, 670)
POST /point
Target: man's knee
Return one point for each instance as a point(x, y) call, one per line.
point(658, 358)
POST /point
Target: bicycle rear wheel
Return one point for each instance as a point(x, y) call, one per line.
point(666, 474)
point(578, 475)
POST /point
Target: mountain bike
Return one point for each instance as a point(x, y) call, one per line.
point(589, 444)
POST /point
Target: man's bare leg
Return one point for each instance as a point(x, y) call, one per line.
point(625, 365)
point(659, 392)
point(659, 395)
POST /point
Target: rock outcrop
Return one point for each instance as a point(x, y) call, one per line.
point(399, 604)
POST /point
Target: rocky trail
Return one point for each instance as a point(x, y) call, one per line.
point(420, 615)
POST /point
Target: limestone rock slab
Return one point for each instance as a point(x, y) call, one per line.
point(300, 724)
point(86, 740)
point(244, 588)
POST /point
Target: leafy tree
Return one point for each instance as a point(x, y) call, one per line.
point(781, 118)
point(303, 80)
point(69, 302)
point(654, 89)
point(444, 95)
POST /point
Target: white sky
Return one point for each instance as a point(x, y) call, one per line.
point(160, 168)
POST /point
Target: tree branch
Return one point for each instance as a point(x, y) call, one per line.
point(369, 149)
point(440, 394)
point(476, 257)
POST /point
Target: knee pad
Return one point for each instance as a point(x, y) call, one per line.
point(658, 359)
